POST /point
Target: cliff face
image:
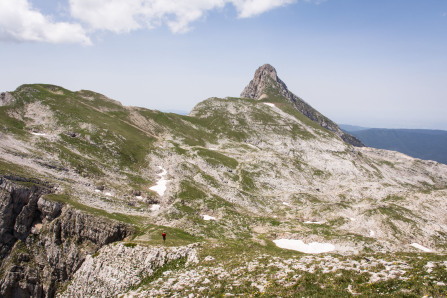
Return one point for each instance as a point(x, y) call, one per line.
point(19, 209)
point(266, 83)
point(43, 242)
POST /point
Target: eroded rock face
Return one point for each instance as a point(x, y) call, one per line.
point(117, 267)
point(266, 82)
point(265, 76)
point(43, 242)
point(18, 211)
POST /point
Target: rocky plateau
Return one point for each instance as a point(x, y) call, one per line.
point(259, 195)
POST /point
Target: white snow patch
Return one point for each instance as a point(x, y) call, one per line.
point(372, 233)
point(97, 190)
point(299, 245)
point(212, 148)
point(269, 104)
point(352, 218)
point(139, 197)
point(418, 246)
point(160, 187)
point(314, 222)
point(285, 203)
point(108, 194)
point(155, 207)
point(207, 217)
point(38, 134)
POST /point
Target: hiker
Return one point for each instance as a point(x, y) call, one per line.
point(164, 236)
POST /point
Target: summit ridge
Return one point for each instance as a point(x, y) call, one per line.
point(267, 84)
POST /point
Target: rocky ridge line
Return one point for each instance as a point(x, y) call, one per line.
point(266, 78)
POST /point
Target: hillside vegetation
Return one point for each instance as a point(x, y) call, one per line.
point(226, 183)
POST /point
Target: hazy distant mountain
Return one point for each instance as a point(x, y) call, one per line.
point(421, 143)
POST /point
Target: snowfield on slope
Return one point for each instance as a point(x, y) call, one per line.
point(299, 245)
point(160, 187)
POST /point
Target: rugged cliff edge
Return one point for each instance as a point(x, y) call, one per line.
point(43, 242)
point(266, 83)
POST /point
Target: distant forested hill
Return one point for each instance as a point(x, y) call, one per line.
point(420, 143)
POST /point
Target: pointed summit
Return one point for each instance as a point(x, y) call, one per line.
point(267, 84)
point(265, 77)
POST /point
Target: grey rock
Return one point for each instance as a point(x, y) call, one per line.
point(49, 210)
point(266, 83)
point(6, 98)
point(117, 267)
point(36, 265)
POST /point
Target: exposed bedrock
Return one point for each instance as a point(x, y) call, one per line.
point(42, 243)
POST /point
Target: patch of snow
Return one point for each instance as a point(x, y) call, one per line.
point(108, 194)
point(38, 134)
point(207, 217)
point(155, 207)
point(285, 203)
point(372, 233)
point(314, 222)
point(212, 148)
point(352, 218)
point(299, 245)
point(269, 104)
point(418, 246)
point(160, 187)
point(139, 197)
point(97, 190)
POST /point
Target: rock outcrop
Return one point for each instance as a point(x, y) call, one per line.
point(18, 211)
point(43, 242)
point(6, 98)
point(116, 268)
point(266, 83)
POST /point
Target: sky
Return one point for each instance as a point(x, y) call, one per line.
point(380, 63)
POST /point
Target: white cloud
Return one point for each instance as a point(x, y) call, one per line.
point(115, 15)
point(250, 8)
point(124, 16)
point(20, 22)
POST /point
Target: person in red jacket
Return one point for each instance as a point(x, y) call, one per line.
point(164, 236)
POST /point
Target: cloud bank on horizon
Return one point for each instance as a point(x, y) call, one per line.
point(20, 21)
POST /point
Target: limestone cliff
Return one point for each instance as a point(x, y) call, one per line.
point(43, 242)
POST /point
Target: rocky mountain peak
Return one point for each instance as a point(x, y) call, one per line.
point(266, 70)
point(266, 80)
point(265, 77)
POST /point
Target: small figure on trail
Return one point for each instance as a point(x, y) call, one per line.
point(164, 236)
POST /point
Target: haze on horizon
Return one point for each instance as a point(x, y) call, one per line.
point(368, 63)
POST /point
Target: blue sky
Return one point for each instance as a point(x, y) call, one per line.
point(379, 63)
